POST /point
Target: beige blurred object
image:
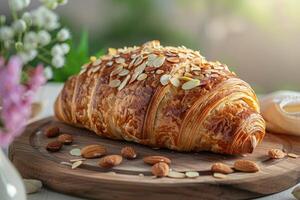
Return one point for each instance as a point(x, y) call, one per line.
point(281, 110)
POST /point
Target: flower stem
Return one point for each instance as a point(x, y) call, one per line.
point(44, 50)
point(41, 57)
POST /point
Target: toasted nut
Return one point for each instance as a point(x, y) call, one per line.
point(219, 175)
point(292, 155)
point(276, 153)
point(246, 166)
point(54, 146)
point(110, 161)
point(65, 138)
point(52, 131)
point(128, 152)
point(160, 169)
point(93, 151)
point(151, 160)
point(221, 168)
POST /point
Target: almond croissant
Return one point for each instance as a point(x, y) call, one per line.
point(168, 97)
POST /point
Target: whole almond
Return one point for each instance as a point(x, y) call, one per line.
point(276, 153)
point(160, 169)
point(65, 138)
point(246, 166)
point(151, 160)
point(110, 161)
point(128, 152)
point(52, 131)
point(93, 151)
point(221, 168)
point(54, 146)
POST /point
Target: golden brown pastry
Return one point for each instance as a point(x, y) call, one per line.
point(163, 97)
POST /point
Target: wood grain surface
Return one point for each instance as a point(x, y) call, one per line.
point(125, 181)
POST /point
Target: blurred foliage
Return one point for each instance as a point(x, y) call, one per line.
point(79, 54)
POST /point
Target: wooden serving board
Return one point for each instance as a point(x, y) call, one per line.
point(124, 182)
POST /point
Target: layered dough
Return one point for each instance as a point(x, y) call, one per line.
point(185, 103)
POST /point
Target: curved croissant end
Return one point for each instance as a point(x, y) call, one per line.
point(164, 97)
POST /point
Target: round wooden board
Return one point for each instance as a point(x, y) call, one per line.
point(126, 182)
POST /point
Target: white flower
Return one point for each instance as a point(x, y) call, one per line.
point(19, 26)
point(48, 72)
point(6, 33)
point(52, 4)
point(18, 5)
point(65, 47)
point(57, 50)
point(30, 40)
point(63, 35)
point(32, 54)
point(44, 37)
point(27, 56)
point(27, 18)
point(58, 61)
point(24, 57)
point(45, 18)
point(19, 46)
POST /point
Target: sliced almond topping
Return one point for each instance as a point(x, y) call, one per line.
point(124, 72)
point(142, 76)
point(124, 82)
point(173, 59)
point(175, 81)
point(195, 68)
point(114, 83)
point(120, 60)
point(191, 84)
point(187, 74)
point(292, 155)
point(159, 71)
point(95, 69)
point(185, 78)
point(174, 174)
point(117, 70)
point(159, 61)
point(140, 68)
point(82, 71)
point(134, 77)
point(110, 63)
point(164, 79)
point(192, 174)
point(219, 175)
point(112, 51)
point(97, 62)
point(152, 57)
point(77, 164)
point(138, 60)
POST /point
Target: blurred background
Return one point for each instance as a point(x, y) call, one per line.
point(258, 39)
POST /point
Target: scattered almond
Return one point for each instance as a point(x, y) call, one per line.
point(110, 161)
point(178, 175)
point(221, 168)
point(246, 166)
point(54, 146)
point(128, 152)
point(65, 138)
point(292, 155)
point(276, 153)
point(76, 164)
point(93, 151)
point(160, 169)
point(219, 175)
point(151, 160)
point(52, 131)
point(192, 174)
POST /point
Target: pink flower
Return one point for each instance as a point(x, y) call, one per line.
point(15, 98)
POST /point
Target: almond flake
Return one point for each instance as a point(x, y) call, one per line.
point(292, 155)
point(66, 163)
point(174, 174)
point(110, 63)
point(117, 70)
point(95, 69)
point(190, 84)
point(164, 79)
point(97, 62)
point(124, 72)
point(152, 57)
point(141, 77)
point(159, 61)
point(219, 175)
point(175, 81)
point(138, 60)
point(112, 51)
point(120, 60)
point(75, 152)
point(78, 159)
point(192, 174)
point(76, 164)
point(173, 59)
point(195, 68)
point(83, 71)
point(140, 68)
point(124, 82)
point(159, 71)
point(114, 83)
point(133, 77)
point(185, 78)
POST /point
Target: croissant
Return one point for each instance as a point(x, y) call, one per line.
point(166, 97)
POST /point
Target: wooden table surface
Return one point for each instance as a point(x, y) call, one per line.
point(48, 98)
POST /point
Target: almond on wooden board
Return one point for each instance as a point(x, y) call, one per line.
point(160, 169)
point(110, 161)
point(65, 138)
point(54, 146)
point(93, 151)
point(128, 152)
point(246, 166)
point(52, 131)
point(221, 168)
point(276, 153)
point(151, 160)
